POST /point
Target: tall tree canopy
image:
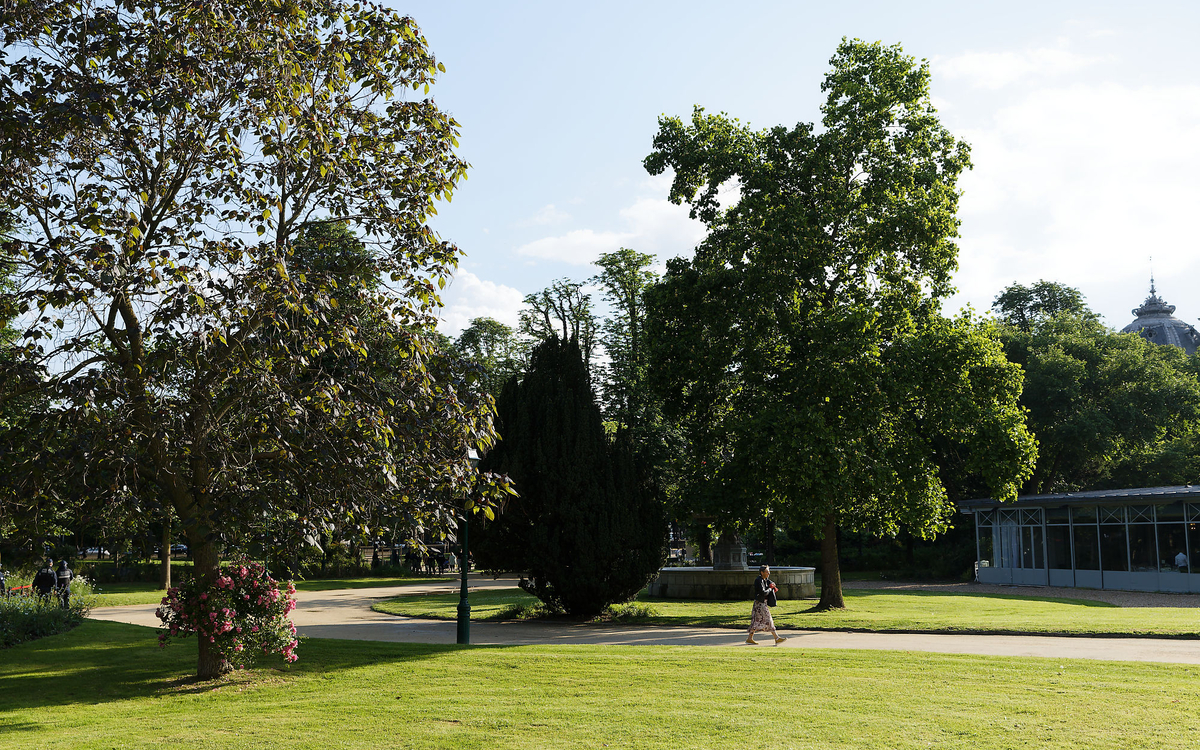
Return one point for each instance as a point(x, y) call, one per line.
point(624, 277)
point(1108, 409)
point(495, 349)
point(562, 310)
point(802, 346)
point(162, 159)
point(1023, 307)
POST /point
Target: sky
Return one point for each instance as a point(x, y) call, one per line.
point(1083, 119)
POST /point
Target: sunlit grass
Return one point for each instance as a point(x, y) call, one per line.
point(107, 685)
point(867, 610)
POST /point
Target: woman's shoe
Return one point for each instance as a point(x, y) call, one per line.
point(779, 639)
point(751, 641)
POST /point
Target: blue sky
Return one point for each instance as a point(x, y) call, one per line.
point(1084, 119)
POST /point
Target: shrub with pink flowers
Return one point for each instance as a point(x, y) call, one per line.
point(243, 614)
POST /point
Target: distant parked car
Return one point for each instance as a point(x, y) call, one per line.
point(178, 549)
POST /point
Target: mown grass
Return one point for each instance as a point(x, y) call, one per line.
point(108, 685)
point(922, 611)
point(118, 594)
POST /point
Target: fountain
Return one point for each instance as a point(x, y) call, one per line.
point(729, 577)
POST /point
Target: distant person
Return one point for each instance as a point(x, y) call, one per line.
point(765, 591)
point(1181, 562)
point(441, 562)
point(63, 584)
point(452, 561)
point(43, 582)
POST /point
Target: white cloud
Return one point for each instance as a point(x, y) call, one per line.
point(547, 215)
point(579, 246)
point(468, 297)
point(651, 224)
point(995, 70)
point(1081, 184)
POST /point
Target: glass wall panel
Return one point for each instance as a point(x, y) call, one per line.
point(1009, 537)
point(1084, 514)
point(1027, 547)
point(1058, 515)
point(1172, 512)
point(986, 557)
point(1058, 547)
point(1172, 547)
point(1194, 542)
point(1087, 548)
point(1039, 549)
point(1143, 555)
point(1114, 554)
point(1112, 514)
point(1140, 513)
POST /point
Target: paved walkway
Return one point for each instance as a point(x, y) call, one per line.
point(347, 614)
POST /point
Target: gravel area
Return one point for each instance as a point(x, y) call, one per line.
point(1119, 598)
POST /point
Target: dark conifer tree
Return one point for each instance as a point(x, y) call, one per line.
point(584, 532)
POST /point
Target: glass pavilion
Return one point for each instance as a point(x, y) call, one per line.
point(1144, 539)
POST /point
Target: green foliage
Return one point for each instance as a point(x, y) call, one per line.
point(495, 349)
point(1108, 409)
point(25, 618)
point(801, 349)
point(624, 277)
point(1024, 307)
point(167, 162)
point(562, 310)
point(583, 532)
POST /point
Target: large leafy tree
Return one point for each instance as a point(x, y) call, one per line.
point(162, 159)
point(1108, 409)
point(584, 532)
point(624, 277)
point(495, 348)
point(1023, 307)
point(802, 347)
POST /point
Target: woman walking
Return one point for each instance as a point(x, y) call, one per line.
point(760, 615)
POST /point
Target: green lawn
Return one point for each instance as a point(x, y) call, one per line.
point(488, 604)
point(117, 594)
point(107, 685)
point(870, 610)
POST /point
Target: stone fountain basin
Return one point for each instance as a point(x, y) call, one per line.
point(706, 583)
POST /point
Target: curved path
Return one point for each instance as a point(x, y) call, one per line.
point(347, 614)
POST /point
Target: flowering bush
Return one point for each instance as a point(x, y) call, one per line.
point(243, 613)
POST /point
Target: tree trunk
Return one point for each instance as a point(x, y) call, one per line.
point(704, 545)
point(165, 554)
point(831, 575)
point(206, 568)
point(770, 534)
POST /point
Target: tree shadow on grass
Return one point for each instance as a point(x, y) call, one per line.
point(102, 662)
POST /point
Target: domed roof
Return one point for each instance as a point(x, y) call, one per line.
point(1156, 323)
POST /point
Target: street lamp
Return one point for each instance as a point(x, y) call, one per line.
point(464, 606)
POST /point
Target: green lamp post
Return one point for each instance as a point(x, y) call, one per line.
point(464, 605)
